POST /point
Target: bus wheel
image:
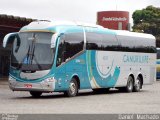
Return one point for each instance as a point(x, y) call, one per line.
point(35, 94)
point(130, 84)
point(137, 85)
point(73, 88)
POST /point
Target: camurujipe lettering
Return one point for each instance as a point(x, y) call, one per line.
point(135, 59)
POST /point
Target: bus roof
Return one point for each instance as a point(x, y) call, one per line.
point(43, 24)
point(133, 34)
point(48, 26)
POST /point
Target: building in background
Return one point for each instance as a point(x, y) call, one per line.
point(118, 20)
point(8, 24)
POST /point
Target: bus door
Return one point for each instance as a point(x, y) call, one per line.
point(74, 58)
point(70, 58)
point(60, 72)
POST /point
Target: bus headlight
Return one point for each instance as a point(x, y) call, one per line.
point(48, 83)
point(50, 79)
point(12, 81)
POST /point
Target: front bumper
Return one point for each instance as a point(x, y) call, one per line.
point(47, 85)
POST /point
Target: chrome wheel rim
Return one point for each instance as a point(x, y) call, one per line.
point(138, 84)
point(130, 84)
point(72, 88)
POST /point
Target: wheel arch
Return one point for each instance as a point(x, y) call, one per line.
point(132, 77)
point(77, 79)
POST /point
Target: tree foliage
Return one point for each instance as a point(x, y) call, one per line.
point(148, 21)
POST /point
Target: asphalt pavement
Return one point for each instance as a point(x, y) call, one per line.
point(145, 101)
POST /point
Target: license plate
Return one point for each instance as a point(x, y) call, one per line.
point(28, 85)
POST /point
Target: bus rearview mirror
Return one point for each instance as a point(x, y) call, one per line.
point(10, 38)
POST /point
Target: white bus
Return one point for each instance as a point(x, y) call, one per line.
point(60, 57)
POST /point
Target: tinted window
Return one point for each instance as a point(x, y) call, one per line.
point(136, 44)
point(61, 51)
point(74, 44)
point(109, 42)
point(93, 41)
point(98, 41)
point(70, 45)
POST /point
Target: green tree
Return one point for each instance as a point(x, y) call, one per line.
point(148, 21)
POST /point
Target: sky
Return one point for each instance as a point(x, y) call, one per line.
point(70, 10)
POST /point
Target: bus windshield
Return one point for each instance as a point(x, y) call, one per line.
point(32, 51)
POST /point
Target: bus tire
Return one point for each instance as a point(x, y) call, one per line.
point(138, 85)
point(130, 84)
point(73, 88)
point(35, 94)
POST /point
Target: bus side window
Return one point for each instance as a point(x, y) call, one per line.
point(74, 44)
point(94, 41)
point(70, 44)
point(109, 42)
point(61, 52)
point(100, 41)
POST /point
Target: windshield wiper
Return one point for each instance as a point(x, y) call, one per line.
point(32, 53)
point(28, 56)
